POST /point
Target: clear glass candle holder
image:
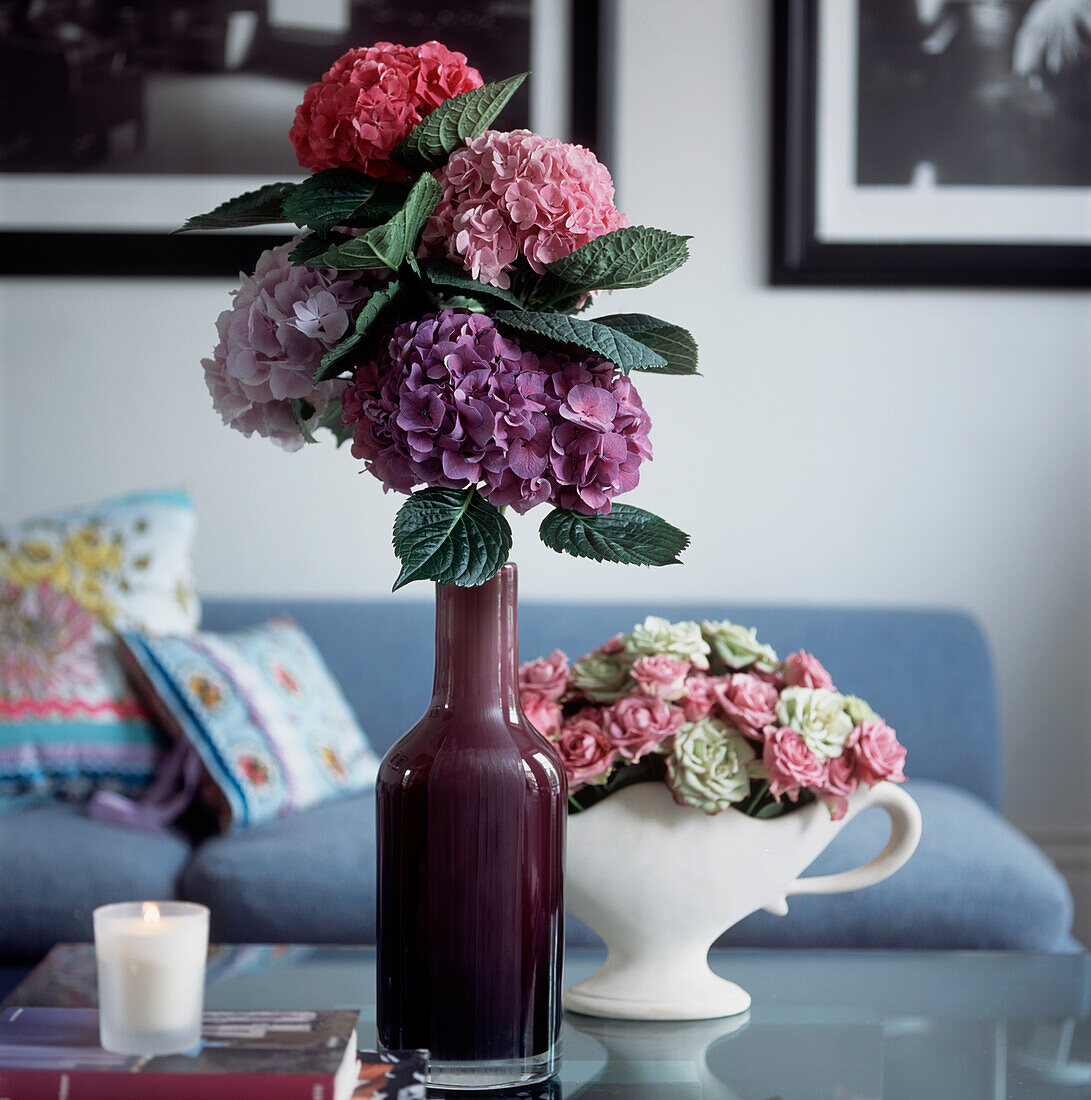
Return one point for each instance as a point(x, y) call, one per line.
point(151, 975)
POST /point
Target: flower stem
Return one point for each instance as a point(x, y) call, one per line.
point(752, 805)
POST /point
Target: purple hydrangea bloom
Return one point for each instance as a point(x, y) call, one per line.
point(282, 320)
point(455, 403)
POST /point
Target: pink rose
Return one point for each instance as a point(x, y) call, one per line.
point(879, 755)
point(768, 676)
point(546, 676)
point(841, 781)
point(790, 764)
point(805, 670)
point(615, 645)
point(661, 676)
point(748, 702)
point(637, 724)
point(583, 748)
point(543, 713)
point(700, 696)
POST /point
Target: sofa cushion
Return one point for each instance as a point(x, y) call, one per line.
point(311, 878)
point(58, 865)
point(68, 720)
point(307, 878)
point(263, 713)
point(975, 881)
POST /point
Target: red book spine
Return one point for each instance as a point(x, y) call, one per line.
point(51, 1084)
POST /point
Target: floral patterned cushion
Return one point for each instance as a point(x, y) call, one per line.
point(266, 717)
point(69, 723)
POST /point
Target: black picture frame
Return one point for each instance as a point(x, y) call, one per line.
point(117, 253)
point(799, 256)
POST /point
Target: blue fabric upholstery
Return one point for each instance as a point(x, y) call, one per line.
point(57, 865)
point(927, 672)
point(990, 889)
point(974, 882)
point(307, 878)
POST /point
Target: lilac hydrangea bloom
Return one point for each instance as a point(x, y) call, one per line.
point(283, 319)
point(455, 403)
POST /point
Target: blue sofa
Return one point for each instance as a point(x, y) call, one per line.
point(975, 881)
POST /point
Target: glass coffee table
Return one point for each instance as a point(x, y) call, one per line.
point(823, 1025)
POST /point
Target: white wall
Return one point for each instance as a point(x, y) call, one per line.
point(872, 446)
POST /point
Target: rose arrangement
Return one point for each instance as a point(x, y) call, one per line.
point(427, 312)
point(713, 713)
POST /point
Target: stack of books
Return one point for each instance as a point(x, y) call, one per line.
point(54, 1054)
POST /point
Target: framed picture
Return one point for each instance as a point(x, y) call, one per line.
point(932, 142)
point(123, 117)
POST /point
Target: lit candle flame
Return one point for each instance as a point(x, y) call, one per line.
point(149, 911)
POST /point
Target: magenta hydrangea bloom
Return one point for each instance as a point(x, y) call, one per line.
point(507, 195)
point(283, 319)
point(453, 403)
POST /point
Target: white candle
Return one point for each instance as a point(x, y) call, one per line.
point(151, 970)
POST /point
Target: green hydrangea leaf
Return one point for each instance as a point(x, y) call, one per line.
point(314, 244)
point(454, 122)
point(303, 411)
point(624, 352)
point(331, 421)
point(329, 198)
point(349, 351)
point(547, 293)
point(389, 244)
point(674, 343)
point(622, 259)
point(627, 535)
point(450, 536)
point(264, 206)
point(444, 273)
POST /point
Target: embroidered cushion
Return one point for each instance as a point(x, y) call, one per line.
point(263, 712)
point(69, 723)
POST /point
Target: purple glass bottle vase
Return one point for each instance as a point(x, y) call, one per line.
point(471, 808)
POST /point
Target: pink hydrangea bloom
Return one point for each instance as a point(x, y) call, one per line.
point(512, 195)
point(749, 703)
point(452, 402)
point(543, 713)
point(272, 339)
point(661, 676)
point(790, 763)
point(638, 724)
point(370, 99)
point(879, 755)
point(584, 750)
point(547, 676)
point(802, 669)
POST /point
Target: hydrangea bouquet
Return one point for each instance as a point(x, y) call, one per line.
point(427, 311)
point(712, 712)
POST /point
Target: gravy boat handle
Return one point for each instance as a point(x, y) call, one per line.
point(905, 834)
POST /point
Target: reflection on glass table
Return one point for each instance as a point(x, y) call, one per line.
point(823, 1025)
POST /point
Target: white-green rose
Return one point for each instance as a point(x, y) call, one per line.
point(738, 647)
point(709, 766)
point(602, 677)
point(818, 716)
point(655, 636)
point(859, 711)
